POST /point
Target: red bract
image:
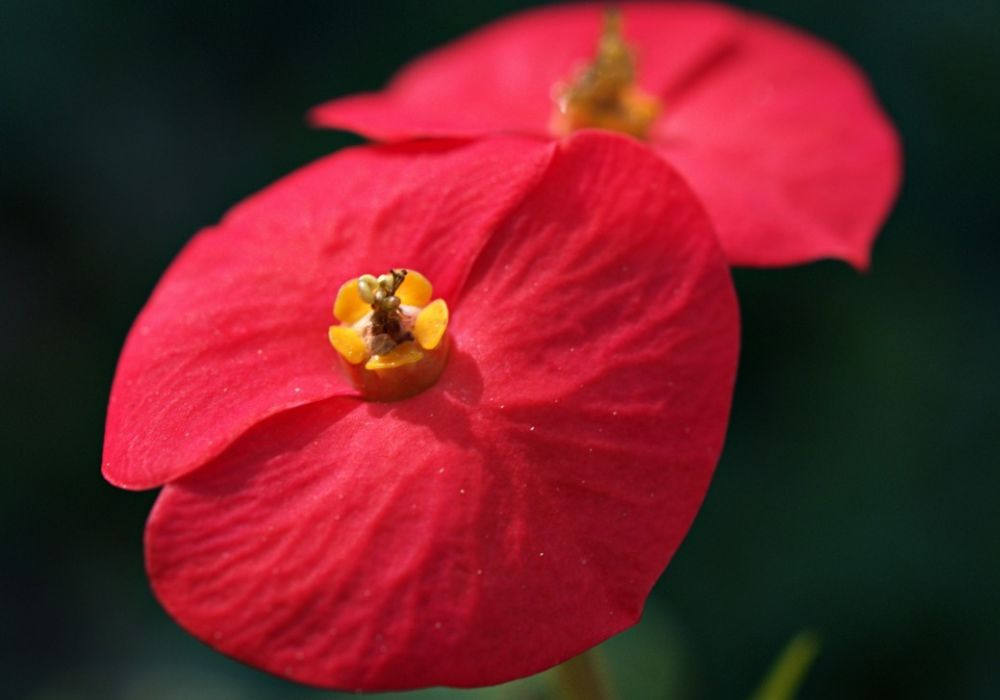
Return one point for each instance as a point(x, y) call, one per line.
point(777, 132)
point(510, 516)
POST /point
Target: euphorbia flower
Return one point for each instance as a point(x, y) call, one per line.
point(514, 510)
point(777, 132)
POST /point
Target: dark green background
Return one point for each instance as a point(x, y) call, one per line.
point(858, 490)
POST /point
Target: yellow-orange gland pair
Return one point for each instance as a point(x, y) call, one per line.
point(392, 337)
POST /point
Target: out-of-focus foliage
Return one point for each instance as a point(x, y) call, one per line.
point(785, 678)
point(857, 494)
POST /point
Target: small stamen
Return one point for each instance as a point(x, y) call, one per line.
point(387, 329)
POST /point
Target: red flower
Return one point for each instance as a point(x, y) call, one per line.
point(778, 133)
point(511, 515)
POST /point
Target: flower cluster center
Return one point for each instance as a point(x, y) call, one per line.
point(391, 336)
point(604, 95)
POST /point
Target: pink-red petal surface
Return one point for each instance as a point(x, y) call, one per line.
point(778, 133)
point(236, 329)
point(501, 78)
point(517, 512)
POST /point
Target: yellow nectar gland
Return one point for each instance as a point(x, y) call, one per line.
point(604, 94)
point(391, 337)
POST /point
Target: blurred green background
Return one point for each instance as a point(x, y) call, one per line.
point(858, 491)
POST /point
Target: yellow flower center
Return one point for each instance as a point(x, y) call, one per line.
point(604, 94)
point(391, 337)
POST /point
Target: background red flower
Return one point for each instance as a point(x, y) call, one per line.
point(777, 132)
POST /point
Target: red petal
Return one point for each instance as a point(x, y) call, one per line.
point(236, 330)
point(519, 511)
point(786, 145)
point(778, 133)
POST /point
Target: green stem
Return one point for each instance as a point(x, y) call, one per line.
point(583, 678)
